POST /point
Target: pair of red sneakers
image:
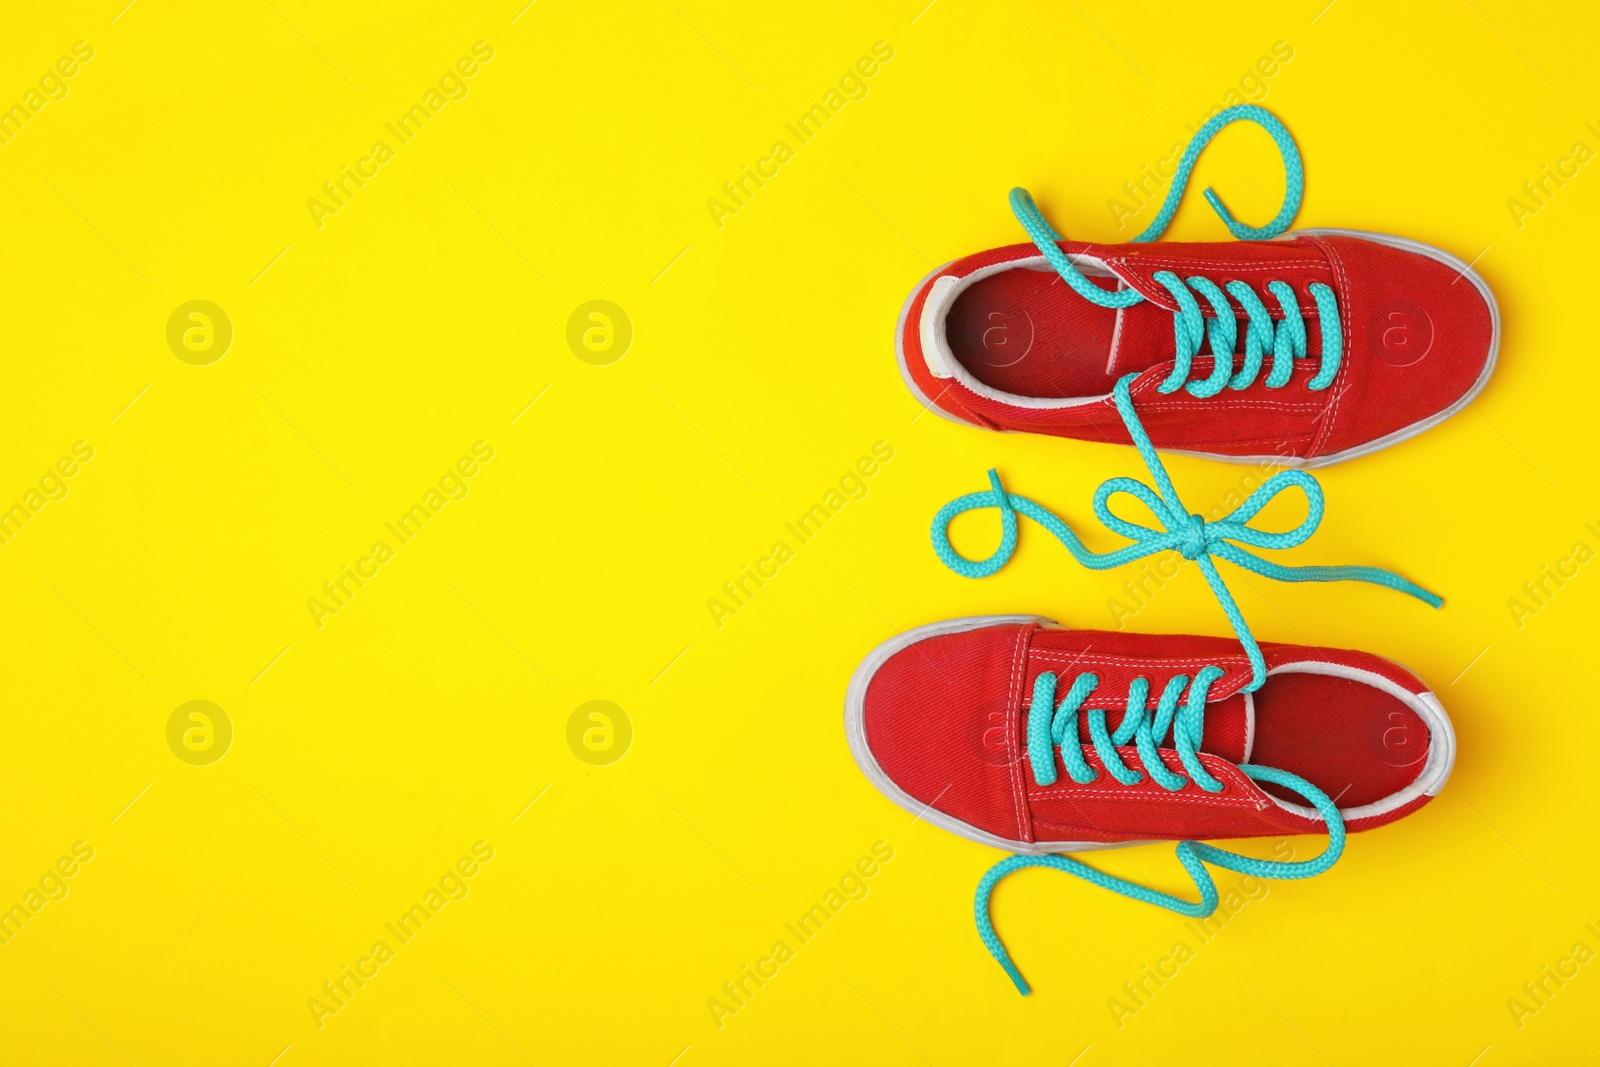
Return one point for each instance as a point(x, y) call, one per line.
point(1305, 349)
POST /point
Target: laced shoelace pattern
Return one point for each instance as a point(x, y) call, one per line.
point(1051, 729)
point(1284, 338)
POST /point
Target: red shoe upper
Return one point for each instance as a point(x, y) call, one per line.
point(937, 719)
point(1007, 345)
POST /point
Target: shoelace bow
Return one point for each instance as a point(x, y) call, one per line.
point(1286, 339)
point(1052, 728)
point(1189, 534)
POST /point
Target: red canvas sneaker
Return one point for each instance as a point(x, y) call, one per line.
point(1017, 733)
point(983, 726)
point(1313, 347)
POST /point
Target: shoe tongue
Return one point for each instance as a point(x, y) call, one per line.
point(1228, 729)
point(1118, 658)
point(1142, 340)
point(1142, 337)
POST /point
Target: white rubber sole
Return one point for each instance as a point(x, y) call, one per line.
point(1292, 462)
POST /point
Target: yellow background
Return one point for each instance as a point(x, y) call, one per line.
point(372, 352)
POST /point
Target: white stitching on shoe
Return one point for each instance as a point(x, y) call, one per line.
point(1019, 659)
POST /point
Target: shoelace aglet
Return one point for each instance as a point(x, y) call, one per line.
point(1221, 209)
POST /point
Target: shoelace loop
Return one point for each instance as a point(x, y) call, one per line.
point(1192, 854)
point(1183, 531)
point(1285, 338)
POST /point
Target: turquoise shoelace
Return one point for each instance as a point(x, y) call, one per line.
point(1052, 728)
point(1286, 339)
